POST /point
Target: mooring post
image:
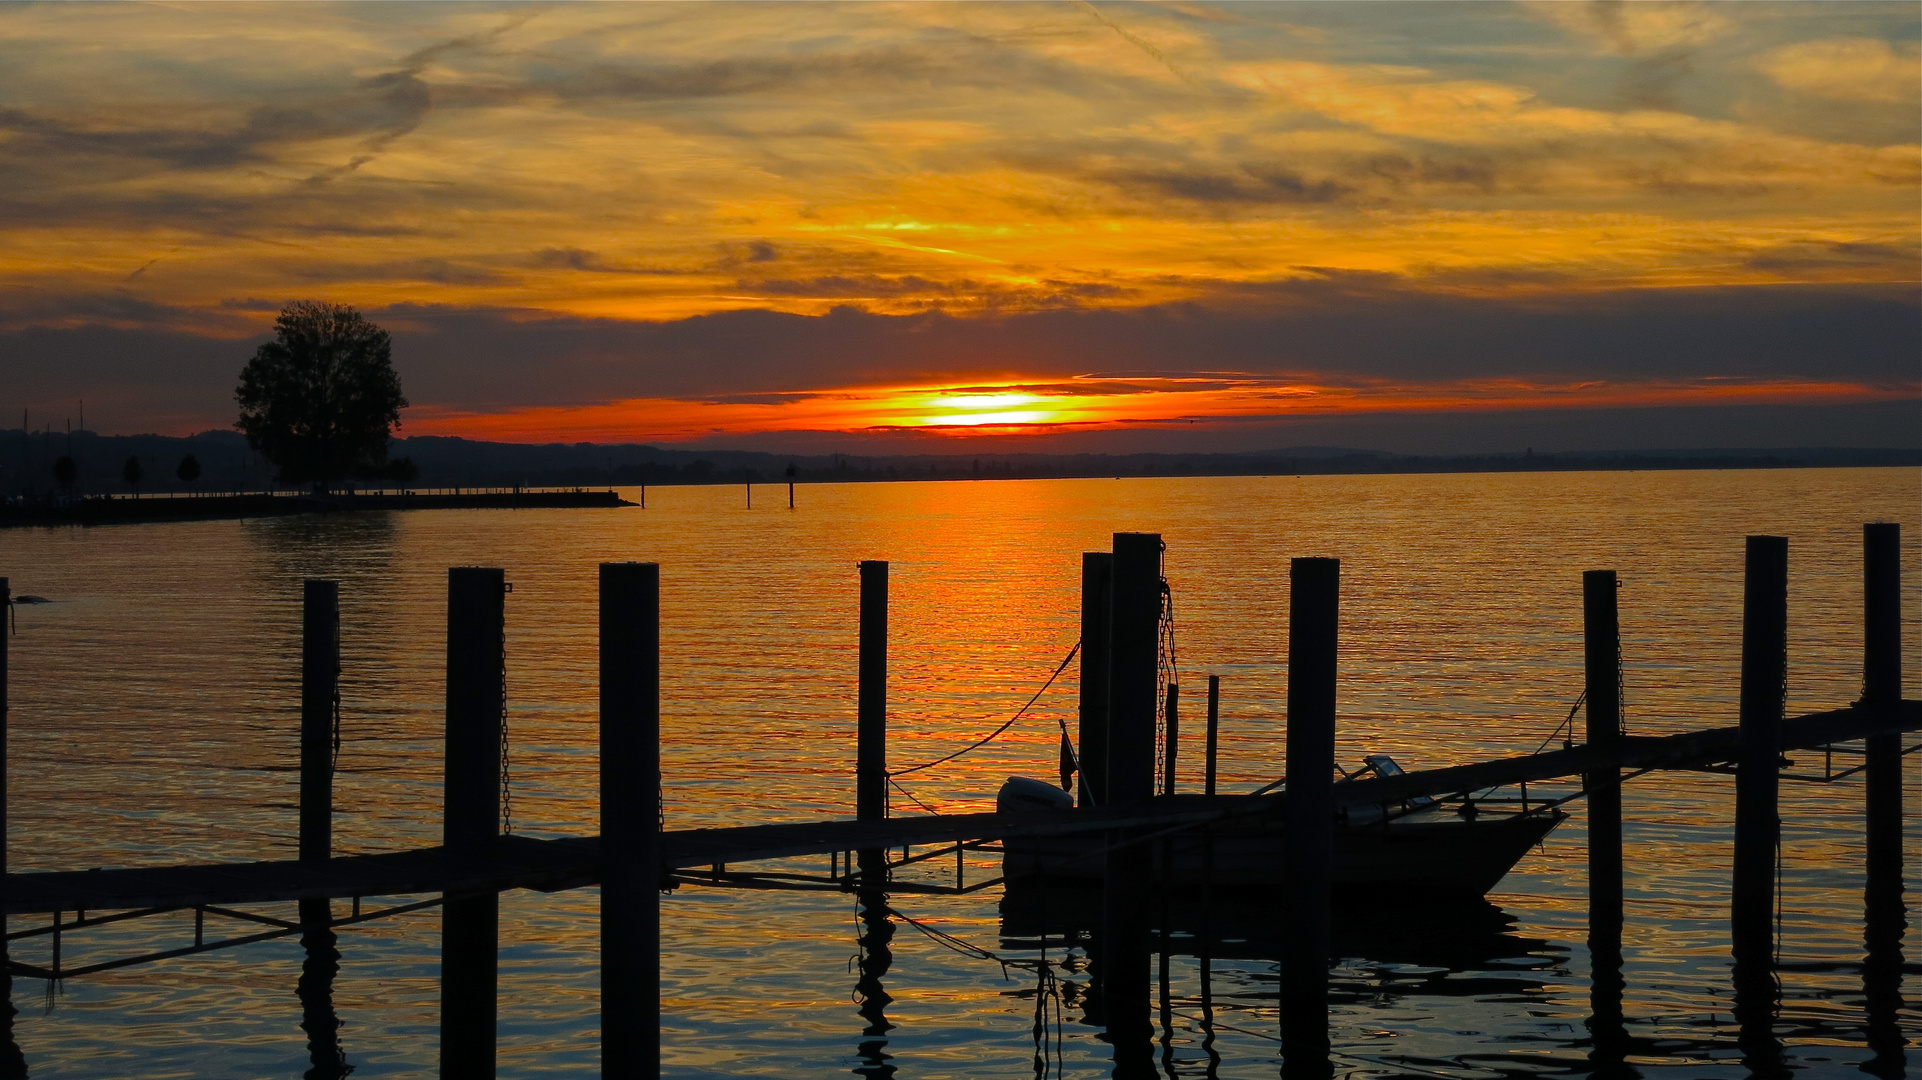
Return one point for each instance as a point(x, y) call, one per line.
point(1602, 670)
point(1214, 728)
point(1133, 636)
point(1097, 587)
point(871, 699)
point(470, 925)
point(1133, 639)
point(1885, 918)
point(6, 630)
point(630, 656)
point(319, 686)
point(12, 1064)
point(1757, 826)
point(1170, 744)
point(1309, 844)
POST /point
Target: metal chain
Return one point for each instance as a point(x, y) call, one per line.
point(334, 764)
point(1167, 671)
point(1621, 677)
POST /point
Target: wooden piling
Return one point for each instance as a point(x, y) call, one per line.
point(1309, 843)
point(319, 685)
point(1171, 741)
point(1135, 623)
point(12, 1065)
point(871, 698)
point(630, 780)
point(1757, 826)
point(1097, 604)
point(476, 658)
point(1602, 670)
point(470, 925)
point(1214, 728)
point(1881, 686)
point(6, 632)
point(1885, 919)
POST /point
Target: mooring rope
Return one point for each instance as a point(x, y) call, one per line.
point(992, 735)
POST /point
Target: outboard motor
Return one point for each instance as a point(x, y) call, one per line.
point(1021, 795)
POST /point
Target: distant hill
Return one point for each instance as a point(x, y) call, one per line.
point(26, 462)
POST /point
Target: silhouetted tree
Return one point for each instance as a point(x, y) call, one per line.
point(189, 470)
point(320, 400)
point(132, 473)
point(65, 472)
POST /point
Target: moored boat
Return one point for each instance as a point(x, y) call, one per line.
point(1424, 846)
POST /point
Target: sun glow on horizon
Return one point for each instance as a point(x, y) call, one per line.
point(1142, 402)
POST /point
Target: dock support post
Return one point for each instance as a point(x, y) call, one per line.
point(1214, 728)
point(630, 660)
point(11, 1063)
point(1132, 676)
point(1097, 603)
point(1886, 917)
point(470, 925)
point(1134, 621)
point(319, 685)
point(1172, 742)
point(1308, 852)
point(1602, 689)
point(871, 699)
point(1757, 824)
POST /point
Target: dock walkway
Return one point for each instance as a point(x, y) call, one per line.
point(548, 865)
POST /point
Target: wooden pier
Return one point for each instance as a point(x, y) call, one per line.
point(635, 857)
point(515, 862)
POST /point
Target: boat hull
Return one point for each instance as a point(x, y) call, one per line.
point(1426, 854)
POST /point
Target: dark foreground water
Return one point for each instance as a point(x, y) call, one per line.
point(155, 715)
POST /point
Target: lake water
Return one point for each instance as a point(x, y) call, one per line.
point(155, 715)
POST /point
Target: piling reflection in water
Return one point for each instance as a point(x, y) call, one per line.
point(876, 956)
point(1120, 952)
point(1887, 919)
point(13, 1066)
point(469, 968)
point(316, 993)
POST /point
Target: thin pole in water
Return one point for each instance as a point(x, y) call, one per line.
point(1214, 726)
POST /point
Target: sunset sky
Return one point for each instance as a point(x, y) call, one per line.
point(946, 222)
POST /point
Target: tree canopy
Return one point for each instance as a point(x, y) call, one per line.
point(320, 400)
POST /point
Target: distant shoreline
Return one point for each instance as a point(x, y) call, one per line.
point(111, 509)
point(122, 510)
